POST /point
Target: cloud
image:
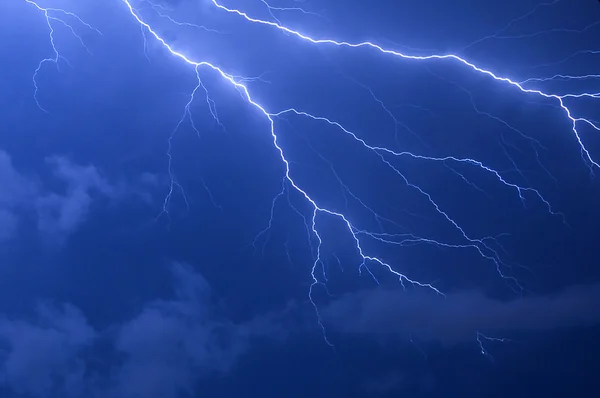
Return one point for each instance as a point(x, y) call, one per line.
point(16, 190)
point(61, 213)
point(45, 351)
point(167, 348)
point(8, 224)
point(163, 351)
point(58, 211)
point(454, 319)
point(172, 344)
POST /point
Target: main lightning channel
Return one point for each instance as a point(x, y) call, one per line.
point(483, 248)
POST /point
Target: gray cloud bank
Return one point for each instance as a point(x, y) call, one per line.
point(456, 318)
point(170, 345)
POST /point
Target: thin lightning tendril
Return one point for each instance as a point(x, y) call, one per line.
point(483, 246)
point(481, 337)
point(160, 11)
point(53, 16)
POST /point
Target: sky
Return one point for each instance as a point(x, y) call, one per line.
point(295, 198)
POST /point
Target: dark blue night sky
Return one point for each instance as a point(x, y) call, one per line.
point(435, 236)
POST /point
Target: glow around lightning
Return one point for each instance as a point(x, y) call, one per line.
point(482, 245)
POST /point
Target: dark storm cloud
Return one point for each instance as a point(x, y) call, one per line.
point(57, 213)
point(161, 352)
point(456, 318)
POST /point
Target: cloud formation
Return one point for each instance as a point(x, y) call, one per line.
point(16, 190)
point(162, 352)
point(172, 344)
point(454, 319)
point(58, 212)
point(45, 351)
point(61, 213)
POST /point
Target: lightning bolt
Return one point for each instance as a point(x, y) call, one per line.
point(484, 246)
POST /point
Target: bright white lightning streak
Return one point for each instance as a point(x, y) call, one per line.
point(483, 248)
